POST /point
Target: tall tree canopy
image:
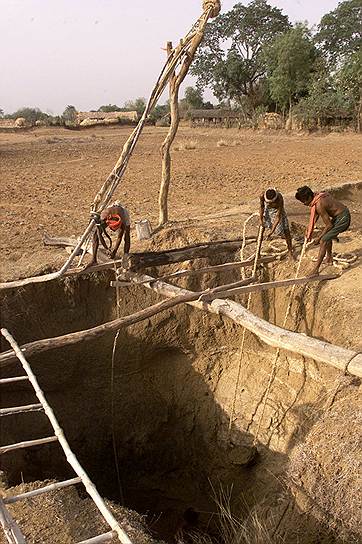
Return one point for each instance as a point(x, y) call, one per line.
point(231, 59)
point(290, 62)
point(340, 31)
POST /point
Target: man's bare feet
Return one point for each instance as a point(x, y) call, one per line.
point(314, 272)
point(292, 257)
point(92, 263)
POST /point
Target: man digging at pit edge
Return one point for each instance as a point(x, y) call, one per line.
point(335, 215)
point(115, 218)
point(274, 217)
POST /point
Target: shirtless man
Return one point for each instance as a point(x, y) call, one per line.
point(116, 218)
point(273, 216)
point(335, 215)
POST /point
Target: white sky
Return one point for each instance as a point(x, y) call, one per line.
point(93, 52)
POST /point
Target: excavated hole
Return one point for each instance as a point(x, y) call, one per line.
point(173, 384)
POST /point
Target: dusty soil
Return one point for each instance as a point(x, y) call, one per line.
point(179, 416)
point(49, 177)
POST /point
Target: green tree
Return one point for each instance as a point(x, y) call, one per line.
point(30, 114)
point(340, 32)
point(193, 98)
point(137, 105)
point(290, 62)
point(231, 59)
point(109, 107)
point(69, 115)
point(349, 80)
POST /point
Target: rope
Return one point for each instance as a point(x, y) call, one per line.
point(243, 275)
point(277, 353)
point(241, 350)
point(114, 444)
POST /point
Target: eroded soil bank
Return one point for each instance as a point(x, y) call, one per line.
point(173, 389)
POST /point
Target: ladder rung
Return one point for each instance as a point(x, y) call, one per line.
point(41, 490)
point(20, 409)
point(104, 538)
point(27, 444)
point(16, 379)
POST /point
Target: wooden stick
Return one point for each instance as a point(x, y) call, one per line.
point(90, 334)
point(20, 409)
point(16, 379)
point(27, 444)
point(269, 285)
point(41, 490)
point(101, 539)
point(272, 335)
point(10, 527)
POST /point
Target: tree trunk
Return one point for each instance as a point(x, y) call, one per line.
point(166, 146)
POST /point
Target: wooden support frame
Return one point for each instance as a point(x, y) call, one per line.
point(27, 444)
point(42, 490)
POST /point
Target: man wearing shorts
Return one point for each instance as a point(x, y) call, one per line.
point(273, 216)
point(336, 217)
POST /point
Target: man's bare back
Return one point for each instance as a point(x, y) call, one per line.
point(328, 204)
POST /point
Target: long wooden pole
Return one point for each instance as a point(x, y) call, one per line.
point(324, 352)
point(10, 527)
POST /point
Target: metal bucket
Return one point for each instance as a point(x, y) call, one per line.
point(143, 229)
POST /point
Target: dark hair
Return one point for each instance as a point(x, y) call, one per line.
point(271, 194)
point(304, 194)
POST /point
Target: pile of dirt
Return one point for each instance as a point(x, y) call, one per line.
point(326, 469)
point(63, 517)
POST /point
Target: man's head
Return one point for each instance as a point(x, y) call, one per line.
point(270, 195)
point(305, 195)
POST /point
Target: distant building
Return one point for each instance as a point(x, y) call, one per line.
point(219, 117)
point(102, 117)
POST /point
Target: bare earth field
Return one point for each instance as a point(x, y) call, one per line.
point(50, 176)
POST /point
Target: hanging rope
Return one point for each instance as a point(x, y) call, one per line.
point(114, 443)
point(241, 350)
point(277, 353)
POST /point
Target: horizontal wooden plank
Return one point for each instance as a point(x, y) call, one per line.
point(20, 409)
point(13, 380)
point(41, 490)
point(27, 444)
point(105, 538)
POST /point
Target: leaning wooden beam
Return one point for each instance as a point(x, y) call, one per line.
point(20, 409)
point(341, 358)
point(229, 291)
point(42, 490)
point(219, 267)
point(160, 258)
point(71, 458)
point(106, 538)
point(38, 346)
point(27, 444)
point(10, 527)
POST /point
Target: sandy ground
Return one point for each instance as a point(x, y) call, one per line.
point(50, 176)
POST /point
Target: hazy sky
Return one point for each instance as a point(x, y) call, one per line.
point(93, 52)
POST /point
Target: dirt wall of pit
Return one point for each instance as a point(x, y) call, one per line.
point(174, 384)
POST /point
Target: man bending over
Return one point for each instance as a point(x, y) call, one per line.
point(274, 217)
point(116, 218)
point(336, 218)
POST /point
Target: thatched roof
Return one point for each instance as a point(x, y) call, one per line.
point(214, 114)
point(102, 115)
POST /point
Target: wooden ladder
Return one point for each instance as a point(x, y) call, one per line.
point(11, 529)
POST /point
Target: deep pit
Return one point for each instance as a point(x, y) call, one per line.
point(173, 389)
